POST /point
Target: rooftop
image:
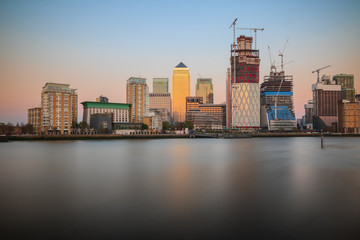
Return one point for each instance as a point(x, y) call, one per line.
point(181, 65)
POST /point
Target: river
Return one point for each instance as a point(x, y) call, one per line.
point(286, 188)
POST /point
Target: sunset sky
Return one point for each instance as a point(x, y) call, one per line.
point(95, 46)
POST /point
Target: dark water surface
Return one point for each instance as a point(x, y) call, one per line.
point(260, 188)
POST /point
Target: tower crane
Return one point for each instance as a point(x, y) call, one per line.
point(255, 31)
point(281, 54)
point(318, 71)
point(272, 63)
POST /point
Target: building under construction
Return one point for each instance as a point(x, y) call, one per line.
point(243, 86)
point(276, 101)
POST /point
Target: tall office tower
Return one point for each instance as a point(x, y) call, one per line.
point(161, 102)
point(102, 99)
point(326, 95)
point(180, 90)
point(245, 92)
point(204, 89)
point(160, 85)
point(228, 98)
point(34, 118)
point(137, 94)
point(347, 86)
point(59, 108)
point(276, 102)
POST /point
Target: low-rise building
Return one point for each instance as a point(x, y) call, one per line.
point(120, 112)
point(101, 122)
point(349, 117)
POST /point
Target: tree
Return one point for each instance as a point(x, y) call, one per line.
point(10, 128)
point(144, 126)
point(165, 125)
point(83, 125)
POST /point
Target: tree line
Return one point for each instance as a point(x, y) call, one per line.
point(22, 128)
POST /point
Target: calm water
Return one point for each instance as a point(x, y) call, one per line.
point(260, 188)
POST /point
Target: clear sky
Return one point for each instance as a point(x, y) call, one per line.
point(95, 46)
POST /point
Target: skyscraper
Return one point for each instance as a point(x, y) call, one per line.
point(160, 85)
point(204, 89)
point(59, 108)
point(245, 93)
point(180, 90)
point(137, 94)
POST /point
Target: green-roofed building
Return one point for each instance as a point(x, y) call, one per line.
point(120, 112)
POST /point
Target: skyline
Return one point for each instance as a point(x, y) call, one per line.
point(95, 47)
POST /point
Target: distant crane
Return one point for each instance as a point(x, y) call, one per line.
point(255, 31)
point(272, 63)
point(318, 71)
point(234, 46)
point(281, 54)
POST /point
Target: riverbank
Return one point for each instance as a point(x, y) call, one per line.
point(153, 136)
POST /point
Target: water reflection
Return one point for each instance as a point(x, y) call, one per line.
point(287, 187)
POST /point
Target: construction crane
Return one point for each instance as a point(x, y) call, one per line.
point(272, 63)
point(234, 46)
point(318, 71)
point(281, 54)
point(255, 30)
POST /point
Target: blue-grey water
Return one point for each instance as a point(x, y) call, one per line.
point(279, 188)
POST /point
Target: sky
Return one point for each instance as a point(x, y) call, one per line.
point(95, 46)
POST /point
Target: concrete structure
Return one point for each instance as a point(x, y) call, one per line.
point(326, 96)
point(102, 99)
point(180, 90)
point(35, 119)
point(347, 86)
point(120, 112)
point(309, 113)
point(204, 89)
point(349, 117)
point(276, 102)
point(162, 103)
point(101, 122)
point(245, 93)
point(137, 94)
point(59, 108)
point(160, 85)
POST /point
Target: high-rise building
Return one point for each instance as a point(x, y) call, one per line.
point(180, 90)
point(349, 117)
point(162, 103)
point(347, 86)
point(120, 112)
point(59, 108)
point(137, 94)
point(34, 118)
point(326, 96)
point(245, 93)
point(276, 102)
point(160, 85)
point(204, 89)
